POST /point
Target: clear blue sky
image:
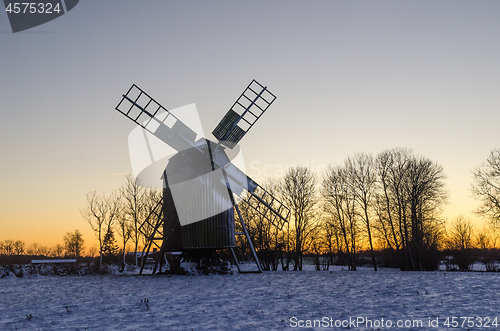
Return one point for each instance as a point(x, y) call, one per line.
point(350, 76)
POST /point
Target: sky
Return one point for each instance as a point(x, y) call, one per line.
point(349, 76)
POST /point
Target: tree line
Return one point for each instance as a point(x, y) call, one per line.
point(72, 247)
point(379, 208)
point(391, 203)
point(121, 212)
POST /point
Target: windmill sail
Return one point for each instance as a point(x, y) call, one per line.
point(263, 202)
point(143, 110)
point(247, 109)
point(252, 193)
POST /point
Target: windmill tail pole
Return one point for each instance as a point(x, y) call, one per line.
point(249, 239)
point(252, 248)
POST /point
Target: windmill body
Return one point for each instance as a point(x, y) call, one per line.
point(197, 208)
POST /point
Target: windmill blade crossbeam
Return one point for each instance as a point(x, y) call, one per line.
point(143, 110)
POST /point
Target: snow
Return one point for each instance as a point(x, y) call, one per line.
point(243, 301)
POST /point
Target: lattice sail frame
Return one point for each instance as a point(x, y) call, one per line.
point(247, 109)
point(256, 196)
point(146, 112)
point(275, 211)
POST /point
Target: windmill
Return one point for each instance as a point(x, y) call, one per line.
point(202, 188)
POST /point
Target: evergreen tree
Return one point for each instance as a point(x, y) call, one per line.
point(109, 248)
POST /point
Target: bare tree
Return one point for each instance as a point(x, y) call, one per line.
point(93, 251)
point(332, 240)
point(486, 187)
point(134, 197)
point(408, 207)
point(486, 237)
point(426, 196)
point(299, 193)
point(391, 204)
point(460, 234)
point(8, 247)
point(327, 243)
point(100, 213)
point(340, 205)
point(34, 249)
point(19, 247)
point(362, 175)
point(125, 231)
point(459, 241)
point(57, 251)
point(73, 242)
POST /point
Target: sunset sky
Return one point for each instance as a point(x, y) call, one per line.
point(349, 76)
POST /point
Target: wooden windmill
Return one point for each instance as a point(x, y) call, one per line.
point(202, 187)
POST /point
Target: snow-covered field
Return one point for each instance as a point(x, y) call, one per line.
point(268, 301)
